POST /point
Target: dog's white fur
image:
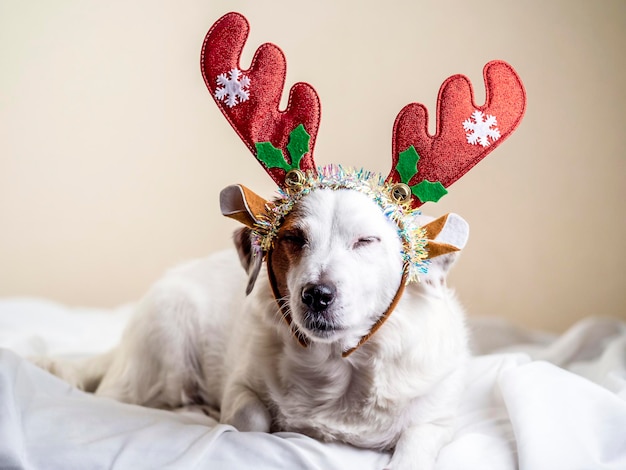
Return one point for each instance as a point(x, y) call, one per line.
point(197, 339)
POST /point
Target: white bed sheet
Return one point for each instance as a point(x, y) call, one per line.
point(533, 401)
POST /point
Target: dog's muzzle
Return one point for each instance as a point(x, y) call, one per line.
point(318, 298)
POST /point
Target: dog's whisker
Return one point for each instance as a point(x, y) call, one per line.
point(282, 307)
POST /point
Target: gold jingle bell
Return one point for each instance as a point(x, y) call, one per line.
point(401, 193)
point(294, 179)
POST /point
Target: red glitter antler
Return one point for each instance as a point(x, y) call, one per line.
point(250, 99)
point(466, 133)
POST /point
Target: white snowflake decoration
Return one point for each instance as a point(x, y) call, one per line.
point(233, 89)
point(481, 128)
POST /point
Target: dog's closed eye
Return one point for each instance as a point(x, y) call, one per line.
point(295, 238)
point(365, 241)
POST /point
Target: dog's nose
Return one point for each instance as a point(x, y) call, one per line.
point(318, 297)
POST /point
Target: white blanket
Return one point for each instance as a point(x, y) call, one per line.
point(532, 401)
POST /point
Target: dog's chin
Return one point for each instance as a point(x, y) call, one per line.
point(318, 328)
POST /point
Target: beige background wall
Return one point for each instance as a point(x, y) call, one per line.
point(112, 152)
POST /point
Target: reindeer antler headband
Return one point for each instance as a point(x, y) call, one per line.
point(423, 166)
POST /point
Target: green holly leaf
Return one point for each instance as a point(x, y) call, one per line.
point(407, 164)
point(298, 145)
point(428, 191)
point(270, 156)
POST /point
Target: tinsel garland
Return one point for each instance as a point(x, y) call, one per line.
point(373, 185)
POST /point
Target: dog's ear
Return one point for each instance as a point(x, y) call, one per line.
point(241, 204)
point(447, 236)
point(251, 258)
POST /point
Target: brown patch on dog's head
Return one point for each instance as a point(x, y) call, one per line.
point(288, 246)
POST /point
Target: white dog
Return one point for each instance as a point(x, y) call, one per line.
point(197, 339)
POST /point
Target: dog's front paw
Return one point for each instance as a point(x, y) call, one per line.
point(419, 446)
point(246, 412)
point(250, 418)
point(64, 370)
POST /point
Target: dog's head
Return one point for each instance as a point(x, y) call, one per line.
point(337, 265)
point(337, 261)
